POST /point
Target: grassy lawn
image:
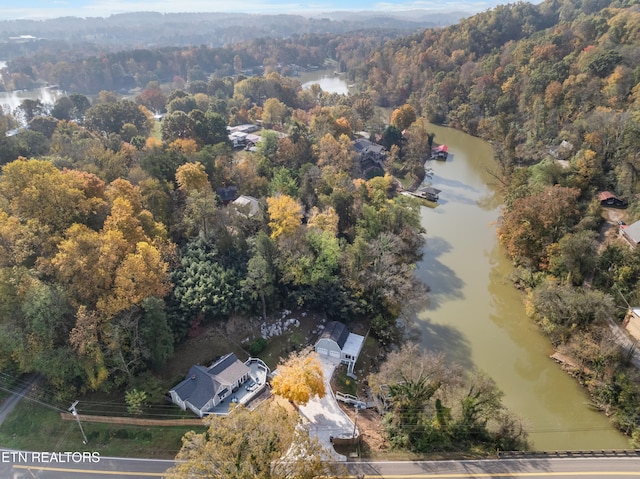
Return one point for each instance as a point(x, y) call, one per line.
point(38, 428)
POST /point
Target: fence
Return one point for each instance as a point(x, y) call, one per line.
point(132, 421)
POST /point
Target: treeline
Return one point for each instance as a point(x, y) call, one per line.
point(555, 88)
point(126, 31)
point(117, 237)
point(80, 69)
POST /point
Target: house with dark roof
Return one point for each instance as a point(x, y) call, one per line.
point(337, 342)
point(609, 199)
point(370, 156)
point(205, 388)
point(227, 194)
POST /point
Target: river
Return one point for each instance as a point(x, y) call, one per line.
point(477, 317)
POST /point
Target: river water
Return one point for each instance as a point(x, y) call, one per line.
point(476, 316)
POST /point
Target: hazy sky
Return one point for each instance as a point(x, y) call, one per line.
point(12, 9)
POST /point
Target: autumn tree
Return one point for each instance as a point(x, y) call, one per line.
point(152, 97)
point(299, 377)
point(534, 222)
point(274, 112)
point(192, 176)
point(338, 154)
point(285, 215)
point(403, 117)
point(266, 443)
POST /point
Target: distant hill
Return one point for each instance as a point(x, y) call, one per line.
point(146, 29)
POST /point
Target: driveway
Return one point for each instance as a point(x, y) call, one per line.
point(325, 417)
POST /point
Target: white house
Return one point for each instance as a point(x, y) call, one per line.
point(205, 388)
point(337, 342)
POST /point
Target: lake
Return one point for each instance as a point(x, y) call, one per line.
point(9, 101)
point(328, 81)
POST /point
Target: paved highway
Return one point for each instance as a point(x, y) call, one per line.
point(14, 466)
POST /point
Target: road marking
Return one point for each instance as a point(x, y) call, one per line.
point(491, 474)
point(90, 471)
point(366, 476)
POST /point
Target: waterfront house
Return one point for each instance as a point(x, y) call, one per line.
point(370, 157)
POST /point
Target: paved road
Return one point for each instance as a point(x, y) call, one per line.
point(599, 468)
point(46, 465)
point(7, 406)
point(502, 468)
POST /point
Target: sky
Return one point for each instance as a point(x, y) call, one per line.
point(14, 9)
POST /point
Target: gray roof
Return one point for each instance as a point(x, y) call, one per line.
point(198, 388)
point(633, 232)
point(336, 331)
point(201, 384)
point(363, 146)
point(228, 369)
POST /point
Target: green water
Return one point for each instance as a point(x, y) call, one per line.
point(477, 317)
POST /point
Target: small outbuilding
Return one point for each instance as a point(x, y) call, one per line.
point(247, 205)
point(440, 152)
point(337, 342)
point(610, 200)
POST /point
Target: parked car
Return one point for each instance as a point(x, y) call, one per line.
point(251, 385)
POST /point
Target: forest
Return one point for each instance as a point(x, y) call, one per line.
point(118, 238)
point(96, 187)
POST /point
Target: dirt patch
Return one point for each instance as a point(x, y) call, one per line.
point(369, 423)
point(610, 229)
point(237, 333)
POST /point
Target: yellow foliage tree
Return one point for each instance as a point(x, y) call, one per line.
point(299, 378)
point(186, 146)
point(325, 220)
point(192, 176)
point(285, 215)
point(140, 275)
point(403, 117)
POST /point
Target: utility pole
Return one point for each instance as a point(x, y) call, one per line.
point(355, 423)
point(75, 414)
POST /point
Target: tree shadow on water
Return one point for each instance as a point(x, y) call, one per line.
point(442, 338)
point(443, 282)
